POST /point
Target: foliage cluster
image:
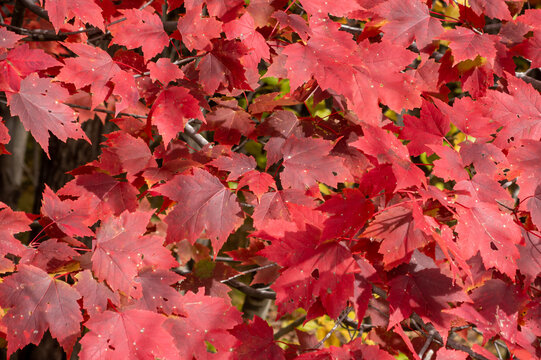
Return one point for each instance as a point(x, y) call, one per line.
point(375, 157)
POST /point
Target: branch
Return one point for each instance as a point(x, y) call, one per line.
point(336, 325)
point(249, 271)
point(289, 327)
point(250, 291)
point(450, 342)
point(36, 9)
point(188, 129)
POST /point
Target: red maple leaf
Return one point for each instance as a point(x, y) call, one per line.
point(197, 32)
point(430, 128)
point(350, 212)
point(400, 235)
point(85, 10)
point(120, 250)
point(173, 108)
point(408, 21)
point(222, 66)
point(39, 303)
point(423, 289)
point(95, 294)
point(314, 271)
point(244, 29)
point(467, 44)
point(237, 165)
point(140, 29)
point(205, 205)
point(130, 334)
point(198, 325)
point(494, 9)
point(255, 341)
point(70, 216)
point(157, 291)
point(258, 182)
point(12, 222)
point(307, 161)
point(230, 122)
point(93, 67)
point(388, 149)
point(39, 106)
point(164, 71)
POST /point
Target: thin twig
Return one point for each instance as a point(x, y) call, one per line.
point(289, 327)
point(249, 271)
point(427, 343)
point(336, 325)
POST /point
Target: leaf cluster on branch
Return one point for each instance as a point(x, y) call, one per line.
point(375, 158)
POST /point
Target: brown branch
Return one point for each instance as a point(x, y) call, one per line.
point(36, 9)
point(250, 291)
point(289, 327)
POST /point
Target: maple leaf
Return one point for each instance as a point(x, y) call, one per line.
point(467, 44)
point(25, 61)
point(237, 165)
point(8, 39)
point(37, 302)
point(307, 161)
point(118, 196)
point(429, 129)
point(140, 29)
point(408, 21)
point(229, 123)
point(12, 222)
point(130, 334)
point(350, 212)
point(423, 289)
point(120, 250)
point(494, 9)
point(218, 8)
point(206, 205)
point(397, 227)
point(222, 66)
point(486, 229)
point(197, 32)
point(85, 10)
point(314, 270)
point(93, 67)
point(519, 112)
point(256, 341)
point(49, 255)
point(198, 325)
point(258, 182)
point(126, 153)
point(450, 165)
point(95, 294)
point(71, 219)
point(39, 106)
point(172, 110)
point(157, 291)
point(490, 301)
point(244, 29)
point(388, 149)
point(164, 71)
point(273, 206)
